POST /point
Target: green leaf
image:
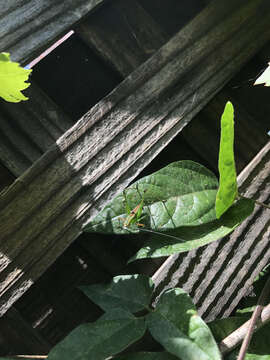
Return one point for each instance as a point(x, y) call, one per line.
point(221, 328)
point(227, 191)
point(194, 237)
point(260, 342)
point(264, 78)
point(181, 194)
point(147, 356)
point(131, 292)
point(100, 339)
point(176, 325)
point(12, 79)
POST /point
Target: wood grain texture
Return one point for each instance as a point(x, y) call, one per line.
point(123, 34)
point(28, 129)
point(217, 276)
point(25, 339)
point(29, 26)
point(47, 207)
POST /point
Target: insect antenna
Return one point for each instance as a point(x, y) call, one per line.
point(160, 233)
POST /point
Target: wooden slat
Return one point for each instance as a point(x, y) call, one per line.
point(46, 208)
point(28, 26)
point(55, 307)
point(25, 339)
point(217, 276)
point(123, 34)
point(28, 129)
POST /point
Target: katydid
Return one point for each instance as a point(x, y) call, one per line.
point(134, 216)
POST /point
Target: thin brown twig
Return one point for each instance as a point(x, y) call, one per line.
point(260, 317)
point(254, 319)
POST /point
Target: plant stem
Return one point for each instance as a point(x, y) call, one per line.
point(256, 201)
point(255, 317)
point(245, 331)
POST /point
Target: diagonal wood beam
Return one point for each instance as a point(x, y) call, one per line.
point(28, 26)
point(47, 207)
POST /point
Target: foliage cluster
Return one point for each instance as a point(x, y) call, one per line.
point(182, 206)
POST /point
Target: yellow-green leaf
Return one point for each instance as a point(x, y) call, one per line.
point(12, 79)
point(227, 191)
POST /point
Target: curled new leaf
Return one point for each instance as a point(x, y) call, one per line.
point(227, 191)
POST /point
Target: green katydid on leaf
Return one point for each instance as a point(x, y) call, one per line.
point(181, 194)
point(12, 79)
point(227, 192)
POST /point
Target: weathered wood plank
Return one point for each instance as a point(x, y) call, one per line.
point(25, 339)
point(28, 26)
point(176, 14)
point(56, 307)
point(123, 34)
point(6, 178)
point(46, 208)
point(217, 276)
point(28, 129)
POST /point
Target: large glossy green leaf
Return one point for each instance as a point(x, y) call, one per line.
point(176, 325)
point(12, 79)
point(227, 191)
point(196, 236)
point(100, 339)
point(181, 194)
point(131, 292)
